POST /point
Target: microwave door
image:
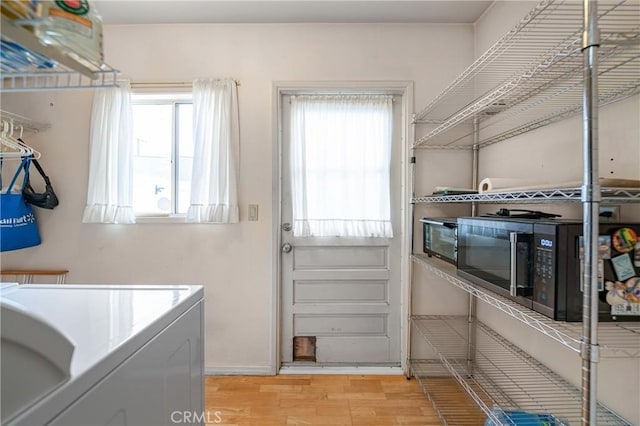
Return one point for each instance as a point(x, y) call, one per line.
point(496, 255)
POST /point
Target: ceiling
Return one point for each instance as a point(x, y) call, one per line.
point(290, 11)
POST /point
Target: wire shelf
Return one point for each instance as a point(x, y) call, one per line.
point(502, 375)
point(453, 403)
point(22, 123)
point(29, 65)
point(616, 340)
point(608, 196)
point(61, 80)
point(533, 75)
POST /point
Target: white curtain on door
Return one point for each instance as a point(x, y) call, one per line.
point(110, 188)
point(340, 165)
point(214, 185)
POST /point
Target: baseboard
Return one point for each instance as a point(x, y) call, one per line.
point(351, 370)
point(256, 370)
point(239, 370)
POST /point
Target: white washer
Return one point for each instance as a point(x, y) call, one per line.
point(102, 354)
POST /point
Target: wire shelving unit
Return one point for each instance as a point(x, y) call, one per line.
point(617, 340)
point(541, 72)
point(451, 401)
point(502, 375)
point(533, 75)
point(562, 195)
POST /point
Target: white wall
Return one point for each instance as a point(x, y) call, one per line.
point(233, 262)
point(498, 20)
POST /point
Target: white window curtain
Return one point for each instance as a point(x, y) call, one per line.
point(214, 197)
point(340, 162)
point(109, 192)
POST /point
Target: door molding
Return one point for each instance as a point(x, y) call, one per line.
point(405, 90)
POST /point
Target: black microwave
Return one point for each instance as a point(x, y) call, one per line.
point(537, 263)
point(440, 238)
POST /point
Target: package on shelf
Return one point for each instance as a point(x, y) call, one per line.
point(18, 9)
point(74, 26)
point(523, 418)
point(16, 58)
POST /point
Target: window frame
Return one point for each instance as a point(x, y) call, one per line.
point(173, 98)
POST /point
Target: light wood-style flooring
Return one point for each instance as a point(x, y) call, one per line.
point(317, 400)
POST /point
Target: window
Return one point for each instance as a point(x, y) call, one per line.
point(162, 153)
point(143, 148)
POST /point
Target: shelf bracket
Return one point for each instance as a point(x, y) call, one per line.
point(590, 352)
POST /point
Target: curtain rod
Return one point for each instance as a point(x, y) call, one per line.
point(168, 83)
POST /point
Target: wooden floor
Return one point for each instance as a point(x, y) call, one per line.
point(317, 400)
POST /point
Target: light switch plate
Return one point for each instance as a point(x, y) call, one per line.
point(253, 212)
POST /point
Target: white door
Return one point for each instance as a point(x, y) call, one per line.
point(339, 295)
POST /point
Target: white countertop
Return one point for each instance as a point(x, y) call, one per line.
point(106, 323)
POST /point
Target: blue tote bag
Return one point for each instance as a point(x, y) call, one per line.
point(18, 227)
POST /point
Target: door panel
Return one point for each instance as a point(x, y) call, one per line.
point(340, 324)
point(310, 291)
point(345, 292)
point(339, 257)
point(355, 349)
point(338, 274)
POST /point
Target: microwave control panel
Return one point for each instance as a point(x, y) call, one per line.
point(544, 269)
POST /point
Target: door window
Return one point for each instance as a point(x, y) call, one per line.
point(340, 162)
